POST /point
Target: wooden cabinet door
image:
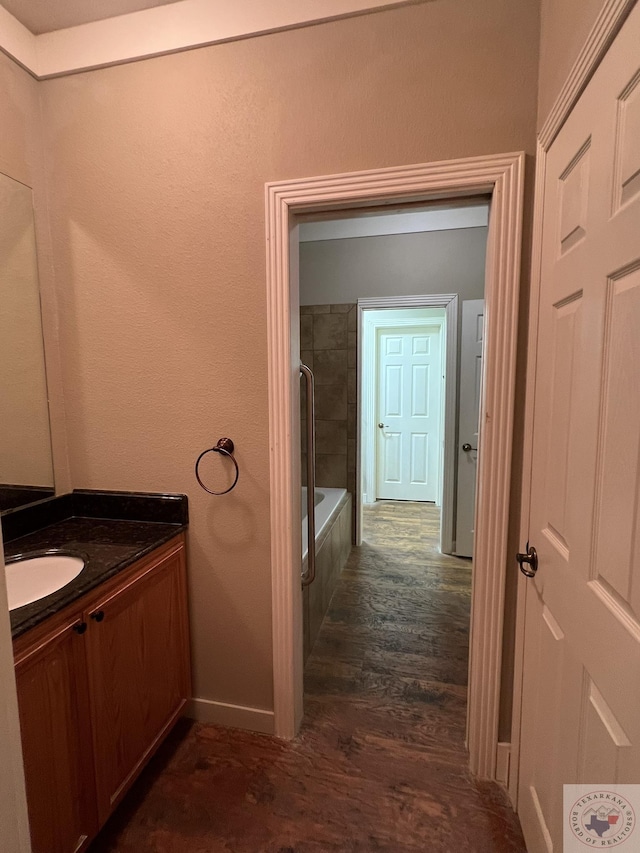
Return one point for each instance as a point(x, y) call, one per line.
point(56, 741)
point(138, 656)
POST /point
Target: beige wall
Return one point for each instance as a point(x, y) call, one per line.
point(564, 27)
point(156, 185)
point(20, 155)
point(451, 261)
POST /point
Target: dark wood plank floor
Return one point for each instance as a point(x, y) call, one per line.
point(379, 764)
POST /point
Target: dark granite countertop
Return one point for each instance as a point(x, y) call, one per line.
point(110, 544)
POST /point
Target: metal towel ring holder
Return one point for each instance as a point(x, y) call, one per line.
point(226, 447)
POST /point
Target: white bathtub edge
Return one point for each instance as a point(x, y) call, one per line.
point(324, 510)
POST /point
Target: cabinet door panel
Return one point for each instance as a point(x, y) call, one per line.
point(56, 743)
point(138, 664)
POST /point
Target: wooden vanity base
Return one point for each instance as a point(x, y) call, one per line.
point(100, 684)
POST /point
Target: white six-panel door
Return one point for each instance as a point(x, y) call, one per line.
point(581, 697)
point(409, 413)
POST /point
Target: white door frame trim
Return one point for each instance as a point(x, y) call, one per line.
point(502, 175)
point(607, 24)
point(448, 301)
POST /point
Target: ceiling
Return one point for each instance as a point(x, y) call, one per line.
point(45, 16)
point(50, 38)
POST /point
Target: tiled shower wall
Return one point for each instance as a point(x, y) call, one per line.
point(328, 345)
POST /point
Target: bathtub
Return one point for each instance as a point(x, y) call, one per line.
point(326, 500)
point(333, 545)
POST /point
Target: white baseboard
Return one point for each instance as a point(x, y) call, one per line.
point(233, 716)
point(503, 759)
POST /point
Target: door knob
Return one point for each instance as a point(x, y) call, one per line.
point(528, 560)
point(467, 447)
point(383, 426)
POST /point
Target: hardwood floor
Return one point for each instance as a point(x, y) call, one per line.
point(380, 763)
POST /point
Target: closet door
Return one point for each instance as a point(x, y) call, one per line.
point(580, 720)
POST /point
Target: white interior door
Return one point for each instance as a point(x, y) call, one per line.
point(409, 405)
point(471, 346)
point(581, 718)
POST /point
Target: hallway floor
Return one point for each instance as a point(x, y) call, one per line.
point(380, 765)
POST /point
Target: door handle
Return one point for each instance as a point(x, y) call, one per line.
point(467, 447)
point(383, 426)
point(530, 560)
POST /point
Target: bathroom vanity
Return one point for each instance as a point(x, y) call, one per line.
point(102, 665)
point(102, 653)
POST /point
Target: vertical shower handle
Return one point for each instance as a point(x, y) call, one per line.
point(309, 576)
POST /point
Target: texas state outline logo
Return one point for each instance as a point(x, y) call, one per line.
point(600, 817)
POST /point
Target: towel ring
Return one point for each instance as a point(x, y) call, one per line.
point(226, 447)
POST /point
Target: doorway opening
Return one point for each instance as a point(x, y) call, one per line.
point(420, 438)
point(401, 424)
point(500, 176)
point(429, 387)
point(378, 615)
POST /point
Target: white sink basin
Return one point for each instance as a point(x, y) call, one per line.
point(32, 578)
